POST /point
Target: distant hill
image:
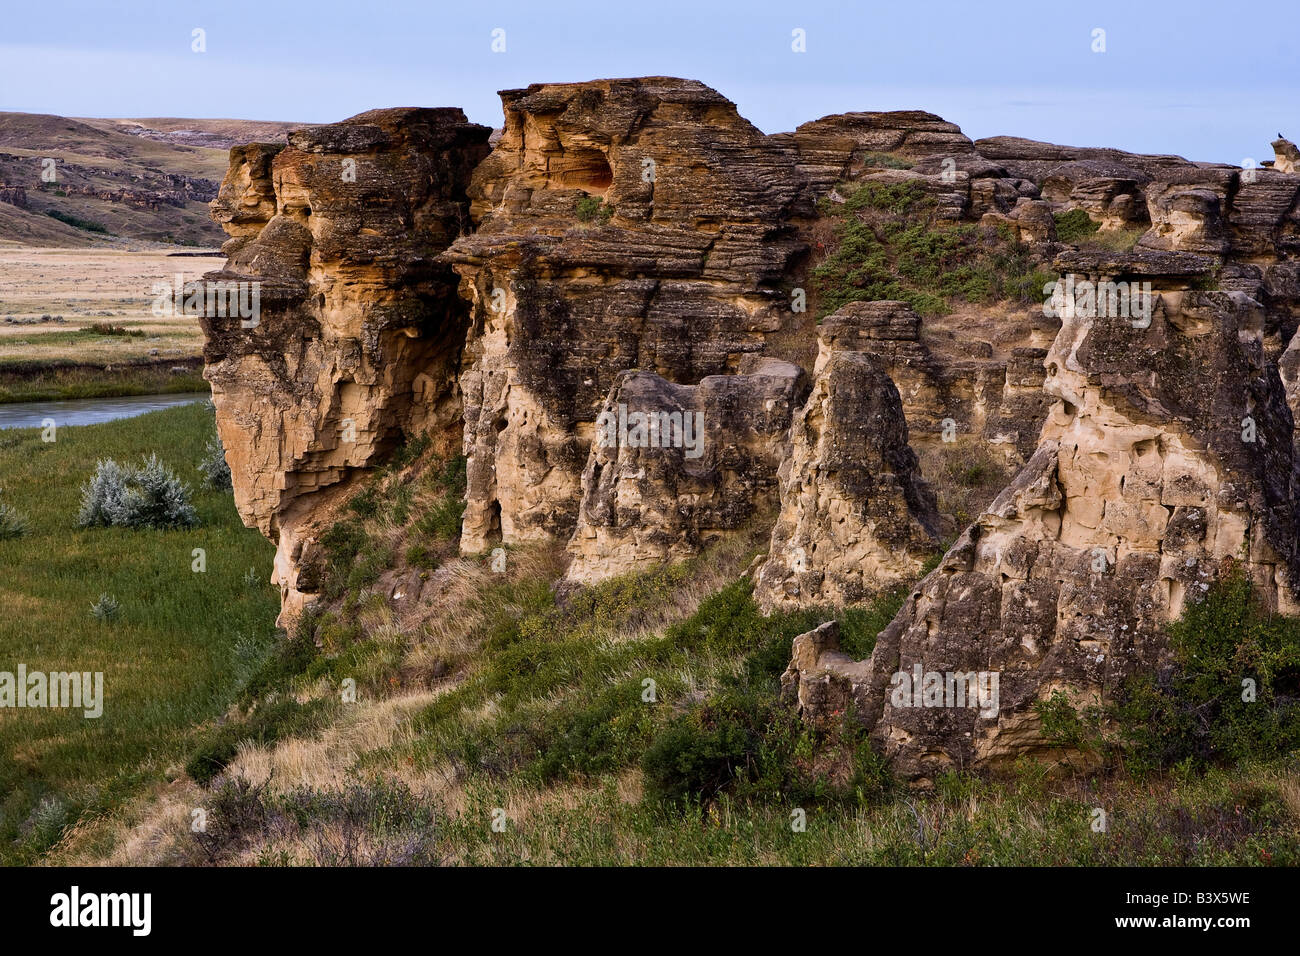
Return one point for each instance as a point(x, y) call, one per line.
point(146, 179)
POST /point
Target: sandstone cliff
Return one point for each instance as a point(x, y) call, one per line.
point(1168, 451)
point(358, 342)
point(622, 224)
point(856, 517)
point(636, 246)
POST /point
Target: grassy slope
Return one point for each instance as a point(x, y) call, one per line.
point(491, 695)
point(172, 659)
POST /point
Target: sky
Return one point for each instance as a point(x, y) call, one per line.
point(1209, 81)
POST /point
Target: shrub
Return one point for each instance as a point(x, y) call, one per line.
point(591, 208)
point(105, 609)
point(77, 222)
point(756, 748)
point(12, 523)
point(365, 504)
point(420, 556)
point(1195, 712)
point(150, 496)
point(1074, 226)
point(213, 467)
point(342, 543)
point(108, 328)
point(701, 754)
point(890, 244)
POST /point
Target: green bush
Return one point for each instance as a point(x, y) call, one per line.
point(365, 504)
point(77, 222)
point(1074, 226)
point(706, 752)
point(1195, 713)
point(592, 208)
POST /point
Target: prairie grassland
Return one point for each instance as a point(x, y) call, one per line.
point(173, 658)
point(92, 286)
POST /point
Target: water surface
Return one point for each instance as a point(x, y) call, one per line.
point(89, 411)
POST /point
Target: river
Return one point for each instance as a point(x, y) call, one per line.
point(89, 411)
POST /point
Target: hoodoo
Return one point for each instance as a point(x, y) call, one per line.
point(862, 322)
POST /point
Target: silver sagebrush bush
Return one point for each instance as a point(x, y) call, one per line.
point(150, 496)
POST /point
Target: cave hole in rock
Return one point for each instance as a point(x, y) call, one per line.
point(585, 169)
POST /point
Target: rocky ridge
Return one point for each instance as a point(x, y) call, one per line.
point(637, 243)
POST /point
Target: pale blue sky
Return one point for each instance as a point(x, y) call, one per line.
point(1207, 80)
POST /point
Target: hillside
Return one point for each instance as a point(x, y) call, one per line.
point(115, 179)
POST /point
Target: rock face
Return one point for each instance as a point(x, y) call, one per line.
point(855, 515)
point(1286, 156)
point(358, 340)
point(13, 195)
point(636, 244)
point(674, 468)
point(622, 224)
point(840, 148)
point(1144, 482)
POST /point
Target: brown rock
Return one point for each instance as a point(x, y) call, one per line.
point(703, 467)
point(855, 516)
point(358, 338)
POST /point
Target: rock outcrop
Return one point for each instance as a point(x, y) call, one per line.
point(856, 518)
point(14, 195)
point(674, 468)
point(638, 243)
point(1168, 453)
point(358, 340)
point(621, 224)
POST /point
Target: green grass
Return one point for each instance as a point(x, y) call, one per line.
point(42, 381)
point(1074, 226)
point(178, 652)
point(889, 244)
point(1222, 819)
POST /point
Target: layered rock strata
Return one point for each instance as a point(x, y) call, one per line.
point(856, 517)
point(1167, 454)
point(622, 224)
point(356, 342)
point(674, 468)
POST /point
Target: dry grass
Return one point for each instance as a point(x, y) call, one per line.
point(86, 287)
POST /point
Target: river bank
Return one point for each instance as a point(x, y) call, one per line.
point(42, 380)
